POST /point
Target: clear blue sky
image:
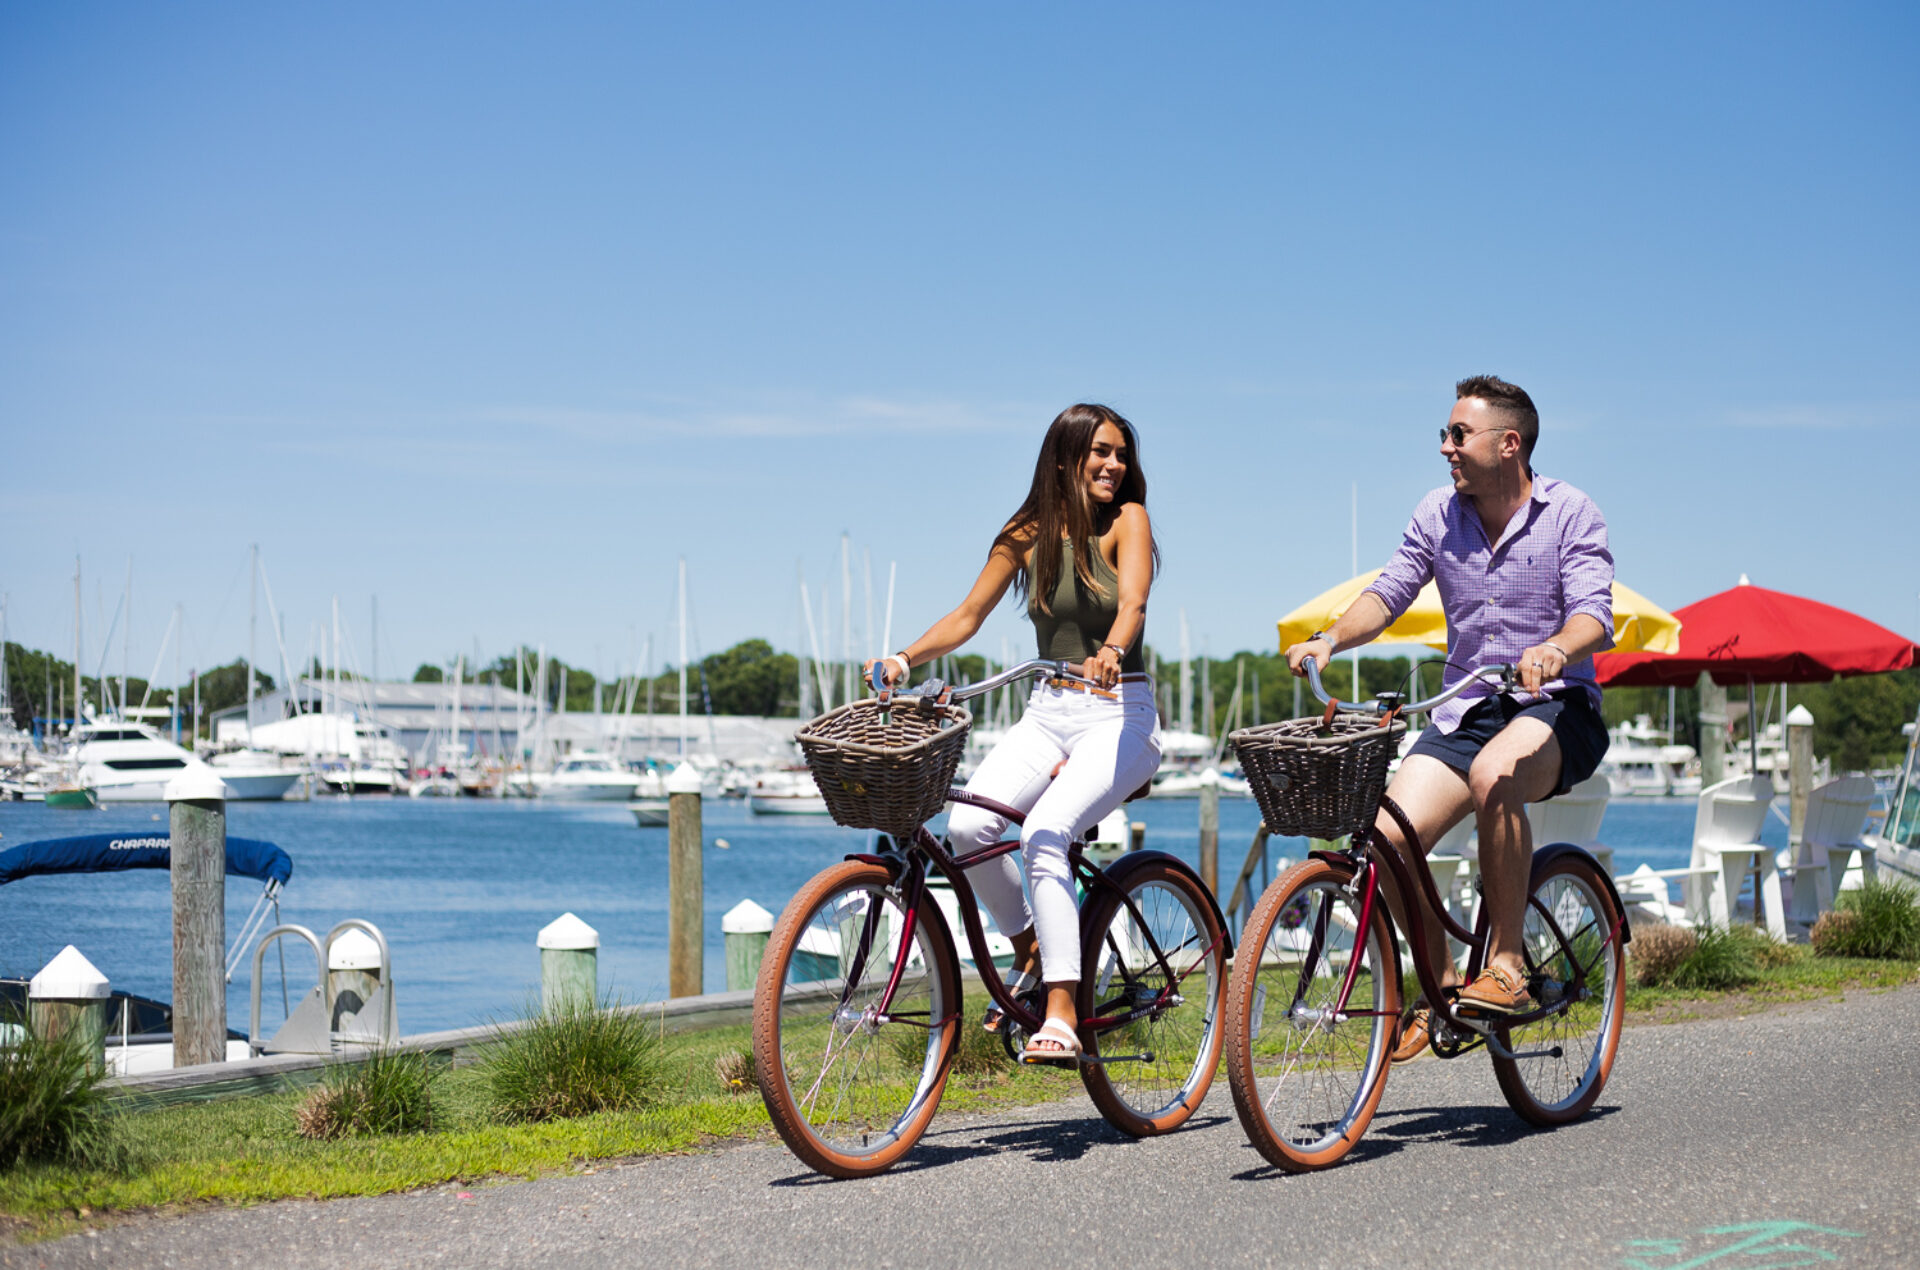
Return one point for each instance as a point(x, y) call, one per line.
point(497, 311)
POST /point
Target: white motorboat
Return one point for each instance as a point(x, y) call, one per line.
point(126, 762)
point(788, 792)
point(1641, 762)
point(586, 777)
point(362, 778)
point(255, 775)
point(1188, 784)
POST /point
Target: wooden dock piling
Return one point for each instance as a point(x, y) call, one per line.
point(197, 810)
point(686, 928)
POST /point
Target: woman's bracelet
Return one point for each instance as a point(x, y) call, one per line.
point(1118, 651)
point(1556, 648)
point(906, 667)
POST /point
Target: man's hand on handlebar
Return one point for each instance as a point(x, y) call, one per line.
point(1319, 648)
point(1540, 665)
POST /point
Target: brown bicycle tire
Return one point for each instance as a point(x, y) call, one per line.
point(1245, 989)
point(771, 1069)
point(1197, 1079)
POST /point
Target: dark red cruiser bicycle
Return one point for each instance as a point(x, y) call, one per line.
point(857, 1011)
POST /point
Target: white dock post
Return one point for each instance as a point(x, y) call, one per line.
point(353, 973)
point(746, 927)
point(1799, 771)
point(69, 998)
point(686, 926)
point(569, 963)
point(197, 806)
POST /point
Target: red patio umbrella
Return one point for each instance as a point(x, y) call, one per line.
point(1748, 634)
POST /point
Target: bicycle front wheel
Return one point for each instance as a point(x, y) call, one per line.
point(1571, 945)
point(850, 1089)
point(1161, 966)
point(1306, 1074)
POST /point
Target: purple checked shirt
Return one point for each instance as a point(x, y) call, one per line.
point(1502, 598)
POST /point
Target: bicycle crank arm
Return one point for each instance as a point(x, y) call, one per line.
point(1101, 1060)
point(1493, 1043)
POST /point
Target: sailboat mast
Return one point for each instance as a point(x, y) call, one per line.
point(76, 647)
point(846, 616)
point(253, 630)
point(126, 642)
point(682, 656)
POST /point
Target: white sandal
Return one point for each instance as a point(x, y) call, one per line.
point(1060, 1034)
point(1021, 982)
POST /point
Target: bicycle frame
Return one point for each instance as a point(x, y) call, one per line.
point(1420, 900)
point(912, 872)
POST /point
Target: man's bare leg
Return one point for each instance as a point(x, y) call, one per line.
point(1519, 766)
point(1435, 798)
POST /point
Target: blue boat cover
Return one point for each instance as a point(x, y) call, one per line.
point(109, 852)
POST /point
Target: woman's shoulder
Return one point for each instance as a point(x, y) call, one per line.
point(1129, 518)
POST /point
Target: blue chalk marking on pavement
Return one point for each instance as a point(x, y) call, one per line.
point(1653, 1254)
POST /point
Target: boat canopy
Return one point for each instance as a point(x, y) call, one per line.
point(110, 852)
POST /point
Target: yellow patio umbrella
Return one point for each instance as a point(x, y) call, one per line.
point(1639, 625)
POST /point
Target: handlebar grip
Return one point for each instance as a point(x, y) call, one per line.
point(878, 676)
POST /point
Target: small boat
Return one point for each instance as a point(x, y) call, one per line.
point(586, 777)
point(255, 775)
point(1178, 784)
point(789, 792)
point(649, 813)
point(78, 797)
point(362, 778)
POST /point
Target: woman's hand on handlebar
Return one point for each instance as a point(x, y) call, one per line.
point(1103, 667)
point(883, 670)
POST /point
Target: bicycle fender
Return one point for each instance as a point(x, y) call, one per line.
point(893, 864)
point(1132, 860)
point(1554, 850)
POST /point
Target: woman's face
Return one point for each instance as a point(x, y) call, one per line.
point(1106, 464)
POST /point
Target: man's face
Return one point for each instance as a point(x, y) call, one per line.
point(1474, 460)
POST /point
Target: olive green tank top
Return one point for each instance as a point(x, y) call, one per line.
point(1081, 617)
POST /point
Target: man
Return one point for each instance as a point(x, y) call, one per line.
point(1525, 576)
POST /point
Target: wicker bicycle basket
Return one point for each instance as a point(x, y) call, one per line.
point(1317, 779)
point(891, 774)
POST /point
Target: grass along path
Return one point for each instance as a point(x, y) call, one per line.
point(246, 1151)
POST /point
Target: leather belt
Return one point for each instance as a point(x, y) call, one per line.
point(1074, 685)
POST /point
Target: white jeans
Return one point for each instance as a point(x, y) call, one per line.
point(1110, 751)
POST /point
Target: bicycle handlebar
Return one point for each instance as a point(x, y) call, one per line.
point(935, 687)
point(1505, 671)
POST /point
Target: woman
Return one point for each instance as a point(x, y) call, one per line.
point(1081, 552)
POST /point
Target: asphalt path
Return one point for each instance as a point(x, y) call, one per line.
point(1781, 1139)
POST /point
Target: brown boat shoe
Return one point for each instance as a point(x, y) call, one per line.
point(1496, 991)
point(1416, 1031)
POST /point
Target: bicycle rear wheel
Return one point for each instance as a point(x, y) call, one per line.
point(1306, 1080)
point(1169, 963)
point(850, 1090)
point(1571, 943)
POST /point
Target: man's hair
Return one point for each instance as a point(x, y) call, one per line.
point(1512, 401)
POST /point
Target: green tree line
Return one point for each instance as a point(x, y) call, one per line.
point(32, 675)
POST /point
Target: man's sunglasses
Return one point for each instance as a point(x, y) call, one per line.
point(1459, 434)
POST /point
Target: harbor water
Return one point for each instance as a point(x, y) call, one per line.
point(460, 887)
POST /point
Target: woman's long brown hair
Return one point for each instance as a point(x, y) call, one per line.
point(1059, 505)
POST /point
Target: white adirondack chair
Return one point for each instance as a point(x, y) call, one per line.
point(1831, 856)
point(1575, 817)
point(1726, 847)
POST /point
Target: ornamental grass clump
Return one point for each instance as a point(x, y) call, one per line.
point(736, 1071)
point(1657, 951)
point(576, 1059)
point(1878, 920)
point(1722, 957)
point(388, 1092)
point(52, 1108)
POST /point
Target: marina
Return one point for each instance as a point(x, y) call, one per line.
point(460, 887)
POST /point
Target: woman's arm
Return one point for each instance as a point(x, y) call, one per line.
point(957, 627)
point(1133, 543)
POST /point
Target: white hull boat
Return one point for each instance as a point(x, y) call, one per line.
point(586, 778)
point(254, 776)
point(786, 794)
point(129, 762)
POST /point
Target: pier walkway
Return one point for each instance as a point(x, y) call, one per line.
point(1724, 1142)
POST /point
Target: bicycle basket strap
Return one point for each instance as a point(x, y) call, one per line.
point(886, 770)
point(1318, 778)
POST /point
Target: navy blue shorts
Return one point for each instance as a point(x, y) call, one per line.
point(1578, 727)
